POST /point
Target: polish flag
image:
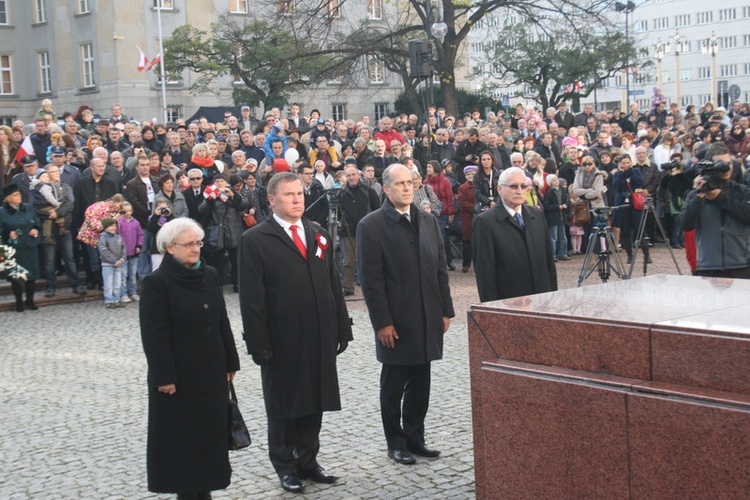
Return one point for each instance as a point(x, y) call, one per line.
point(154, 62)
point(142, 62)
point(26, 149)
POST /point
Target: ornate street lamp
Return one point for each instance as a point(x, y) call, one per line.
point(711, 46)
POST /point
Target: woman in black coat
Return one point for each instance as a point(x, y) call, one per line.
point(19, 228)
point(191, 355)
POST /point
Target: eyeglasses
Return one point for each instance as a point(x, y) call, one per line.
point(195, 178)
point(587, 163)
point(192, 244)
point(516, 186)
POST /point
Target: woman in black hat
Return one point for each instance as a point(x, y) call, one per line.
point(19, 228)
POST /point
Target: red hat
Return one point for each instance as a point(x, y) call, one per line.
point(280, 165)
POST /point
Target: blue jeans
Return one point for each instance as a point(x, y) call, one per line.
point(144, 259)
point(129, 285)
point(559, 241)
point(65, 245)
point(111, 276)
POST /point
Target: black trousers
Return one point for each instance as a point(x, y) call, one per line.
point(293, 443)
point(410, 383)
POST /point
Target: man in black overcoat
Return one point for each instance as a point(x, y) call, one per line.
point(296, 322)
point(512, 251)
point(403, 273)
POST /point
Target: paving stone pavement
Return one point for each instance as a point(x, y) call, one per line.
point(73, 409)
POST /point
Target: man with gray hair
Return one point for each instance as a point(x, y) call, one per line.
point(511, 246)
point(404, 276)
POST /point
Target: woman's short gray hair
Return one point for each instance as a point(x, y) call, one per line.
point(172, 229)
point(198, 147)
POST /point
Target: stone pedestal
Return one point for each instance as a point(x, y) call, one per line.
point(630, 389)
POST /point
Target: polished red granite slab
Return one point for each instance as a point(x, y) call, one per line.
point(614, 390)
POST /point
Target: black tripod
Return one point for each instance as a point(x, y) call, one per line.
point(601, 236)
point(642, 239)
point(332, 196)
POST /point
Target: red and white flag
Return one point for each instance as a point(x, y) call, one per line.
point(26, 149)
point(154, 62)
point(142, 61)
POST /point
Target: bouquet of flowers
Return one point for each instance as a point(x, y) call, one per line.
point(214, 193)
point(9, 267)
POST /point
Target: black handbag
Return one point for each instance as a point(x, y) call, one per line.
point(239, 436)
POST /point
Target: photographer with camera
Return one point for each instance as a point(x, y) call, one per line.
point(626, 180)
point(673, 188)
point(719, 210)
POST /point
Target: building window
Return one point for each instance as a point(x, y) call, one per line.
point(661, 23)
point(687, 100)
point(174, 112)
point(45, 74)
point(286, 7)
point(704, 17)
point(333, 9)
point(746, 13)
point(381, 110)
point(87, 65)
point(703, 99)
point(704, 73)
point(6, 75)
point(164, 4)
point(727, 14)
point(641, 26)
point(40, 14)
point(682, 20)
point(374, 9)
point(685, 75)
point(338, 112)
point(666, 76)
point(478, 25)
point(747, 68)
point(746, 40)
point(728, 70)
point(84, 7)
point(3, 12)
point(238, 6)
point(375, 70)
point(728, 42)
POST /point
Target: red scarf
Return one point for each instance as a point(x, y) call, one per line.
point(206, 162)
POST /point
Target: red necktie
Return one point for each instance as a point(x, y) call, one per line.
point(298, 241)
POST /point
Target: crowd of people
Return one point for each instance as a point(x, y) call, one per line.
point(128, 200)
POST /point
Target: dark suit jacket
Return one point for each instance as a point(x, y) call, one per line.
point(193, 202)
point(86, 195)
point(404, 278)
point(508, 261)
point(136, 194)
point(294, 308)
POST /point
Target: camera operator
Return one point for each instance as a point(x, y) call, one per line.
point(673, 188)
point(357, 200)
point(719, 210)
point(626, 180)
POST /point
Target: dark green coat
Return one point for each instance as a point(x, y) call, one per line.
point(24, 219)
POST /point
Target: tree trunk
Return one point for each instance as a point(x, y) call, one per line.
point(411, 92)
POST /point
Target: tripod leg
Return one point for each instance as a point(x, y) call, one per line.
point(639, 243)
point(618, 266)
point(585, 271)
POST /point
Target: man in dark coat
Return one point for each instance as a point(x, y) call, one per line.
point(512, 253)
point(296, 322)
point(403, 272)
point(194, 194)
point(140, 192)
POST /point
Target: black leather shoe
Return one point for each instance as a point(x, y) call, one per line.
point(401, 457)
point(90, 285)
point(50, 292)
point(291, 483)
point(422, 450)
point(319, 475)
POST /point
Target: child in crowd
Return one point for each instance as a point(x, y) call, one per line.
point(45, 201)
point(276, 132)
point(576, 232)
point(132, 234)
point(556, 204)
point(112, 254)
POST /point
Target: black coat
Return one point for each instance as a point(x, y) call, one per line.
point(294, 308)
point(86, 194)
point(22, 219)
point(355, 204)
point(510, 262)
point(188, 342)
point(404, 278)
point(552, 201)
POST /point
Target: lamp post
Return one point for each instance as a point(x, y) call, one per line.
point(679, 46)
point(627, 8)
point(436, 30)
point(660, 50)
point(711, 46)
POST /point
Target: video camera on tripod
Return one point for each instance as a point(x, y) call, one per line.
point(711, 173)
